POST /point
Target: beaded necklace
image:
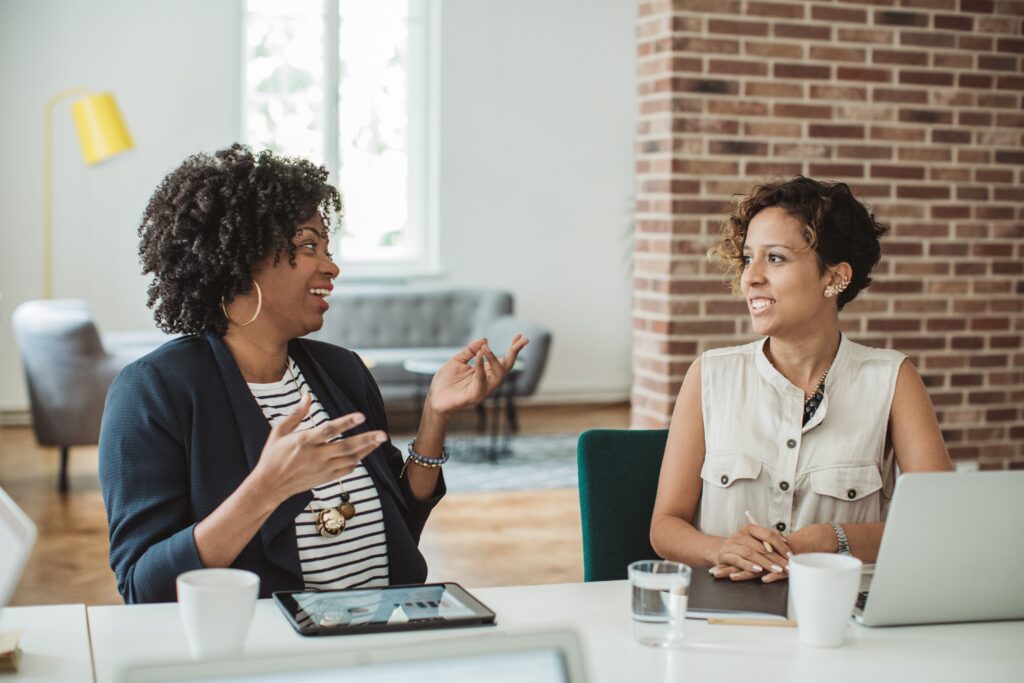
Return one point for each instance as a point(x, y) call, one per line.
point(330, 521)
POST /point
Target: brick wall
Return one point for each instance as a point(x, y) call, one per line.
point(918, 105)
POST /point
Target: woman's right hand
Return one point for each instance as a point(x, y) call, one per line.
point(295, 461)
point(743, 556)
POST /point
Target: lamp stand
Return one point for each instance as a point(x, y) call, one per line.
point(48, 187)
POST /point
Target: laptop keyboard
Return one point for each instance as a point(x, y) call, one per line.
point(862, 599)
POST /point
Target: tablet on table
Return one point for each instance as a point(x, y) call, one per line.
point(377, 610)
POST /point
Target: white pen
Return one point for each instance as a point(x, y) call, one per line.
point(728, 621)
point(767, 545)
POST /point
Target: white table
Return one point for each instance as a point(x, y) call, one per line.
point(599, 612)
point(54, 643)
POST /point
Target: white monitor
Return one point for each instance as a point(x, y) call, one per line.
point(545, 657)
point(17, 536)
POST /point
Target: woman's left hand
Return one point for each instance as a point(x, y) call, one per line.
point(752, 552)
point(461, 385)
point(814, 538)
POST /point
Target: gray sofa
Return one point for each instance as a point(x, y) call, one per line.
point(390, 324)
point(68, 369)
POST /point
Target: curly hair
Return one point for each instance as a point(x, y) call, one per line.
point(835, 224)
point(211, 220)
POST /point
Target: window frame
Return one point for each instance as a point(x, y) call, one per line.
point(424, 125)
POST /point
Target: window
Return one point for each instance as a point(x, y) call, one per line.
point(353, 85)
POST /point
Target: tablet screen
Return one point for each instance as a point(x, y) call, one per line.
point(382, 609)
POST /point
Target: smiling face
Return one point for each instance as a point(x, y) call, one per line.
point(294, 297)
point(782, 280)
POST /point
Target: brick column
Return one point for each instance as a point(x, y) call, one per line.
point(919, 108)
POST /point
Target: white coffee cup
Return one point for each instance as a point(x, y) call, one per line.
point(824, 589)
point(216, 607)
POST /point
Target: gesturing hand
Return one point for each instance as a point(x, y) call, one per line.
point(461, 385)
point(295, 461)
point(744, 556)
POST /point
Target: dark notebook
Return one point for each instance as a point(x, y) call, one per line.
point(715, 596)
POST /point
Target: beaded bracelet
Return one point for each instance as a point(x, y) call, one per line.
point(424, 461)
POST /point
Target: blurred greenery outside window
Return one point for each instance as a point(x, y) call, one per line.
point(352, 84)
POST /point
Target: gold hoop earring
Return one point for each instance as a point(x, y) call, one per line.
point(259, 307)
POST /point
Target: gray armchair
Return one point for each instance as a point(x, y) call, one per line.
point(69, 369)
point(391, 324)
point(534, 358)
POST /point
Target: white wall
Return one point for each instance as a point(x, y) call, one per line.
point(171, 65)
point(537, 161)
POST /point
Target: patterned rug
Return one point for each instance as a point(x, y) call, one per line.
point(524, 463)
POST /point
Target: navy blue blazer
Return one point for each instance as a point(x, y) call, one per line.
point(180, 432)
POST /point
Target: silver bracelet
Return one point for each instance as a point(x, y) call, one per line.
point(844, 545)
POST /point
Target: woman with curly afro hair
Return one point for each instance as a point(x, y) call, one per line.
point(789, 444)
point(240, 444)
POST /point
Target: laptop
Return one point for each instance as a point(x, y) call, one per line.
point(538, 657)
point(17, 536)
point(951, 551)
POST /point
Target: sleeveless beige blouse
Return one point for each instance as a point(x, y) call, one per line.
point(759, 457)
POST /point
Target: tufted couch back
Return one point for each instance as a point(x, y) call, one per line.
point(69, 367)
point(393, 316)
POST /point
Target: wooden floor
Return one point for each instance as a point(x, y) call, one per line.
point(477, 539)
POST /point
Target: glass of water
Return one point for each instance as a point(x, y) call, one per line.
point(660, 594)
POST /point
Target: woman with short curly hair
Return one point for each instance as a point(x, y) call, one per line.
point(241, 444)
point(790, 444)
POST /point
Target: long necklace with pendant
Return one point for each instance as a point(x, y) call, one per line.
point(330, 521)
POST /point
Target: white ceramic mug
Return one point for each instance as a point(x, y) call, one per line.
point(216, 607)
point(824, 590)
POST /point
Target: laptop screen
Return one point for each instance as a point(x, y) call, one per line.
point(17, 535)
point(537, 666)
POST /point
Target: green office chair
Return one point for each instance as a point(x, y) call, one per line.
point(618, 474)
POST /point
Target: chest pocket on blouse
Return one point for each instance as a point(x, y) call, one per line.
point(847, 483)
point(730, 486)
point(725, 470)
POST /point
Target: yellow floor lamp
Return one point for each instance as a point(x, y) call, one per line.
point(101, 134)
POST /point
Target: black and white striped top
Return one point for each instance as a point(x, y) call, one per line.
point(359, 556)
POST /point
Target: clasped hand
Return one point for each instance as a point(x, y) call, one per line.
point(745, 555)
point(461, 385)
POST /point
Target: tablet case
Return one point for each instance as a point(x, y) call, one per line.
point(708, 594)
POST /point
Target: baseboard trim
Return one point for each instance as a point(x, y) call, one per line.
point(15, 418)
point(576, 397)
point(23, 418)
